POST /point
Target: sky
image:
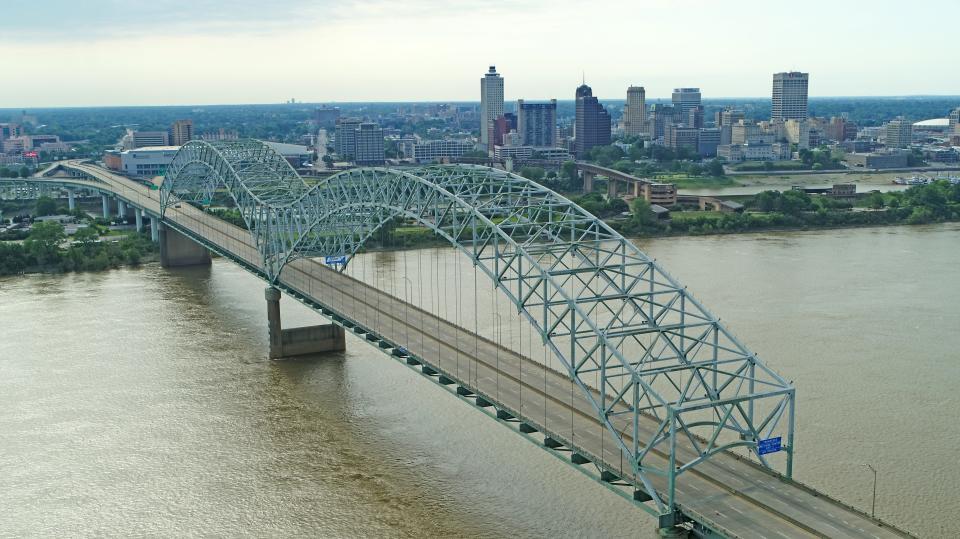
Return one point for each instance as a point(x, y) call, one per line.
point(198, 52)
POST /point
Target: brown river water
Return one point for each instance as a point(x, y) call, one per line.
point(139, 402)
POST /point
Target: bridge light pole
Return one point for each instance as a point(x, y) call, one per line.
point(873, 504)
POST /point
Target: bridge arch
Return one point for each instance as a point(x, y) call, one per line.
point(601, 306)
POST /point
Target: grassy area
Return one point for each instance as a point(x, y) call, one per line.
point(688, 215)
point(683, 181)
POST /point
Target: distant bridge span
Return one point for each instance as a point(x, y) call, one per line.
point(663, 392)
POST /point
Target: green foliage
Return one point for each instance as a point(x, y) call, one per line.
point(605, 155)
point(533, 173)
point(45, 206)
point(568, 172)
point(600, 207)
point(42, 251)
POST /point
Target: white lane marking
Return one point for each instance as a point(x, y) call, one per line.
point(737, 510)
point(781, 534)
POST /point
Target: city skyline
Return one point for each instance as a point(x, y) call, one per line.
point(268, 52)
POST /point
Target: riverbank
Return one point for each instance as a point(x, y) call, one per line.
point(47, 250)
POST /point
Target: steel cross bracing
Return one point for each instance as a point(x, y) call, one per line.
point(601, 306)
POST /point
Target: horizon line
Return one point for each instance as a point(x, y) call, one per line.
point(448, 101)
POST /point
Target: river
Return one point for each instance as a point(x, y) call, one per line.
point(138, 402)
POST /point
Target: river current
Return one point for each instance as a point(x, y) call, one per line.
point(139, 402)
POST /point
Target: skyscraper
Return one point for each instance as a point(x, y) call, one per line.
point(345, 143)
point(592, 123)
point(491, 104)
point(685, 99)
point(899, 133)
point(635, 112)
point(790, 96)
point(955, 121)
point(537, 123)
point(369, 140)
point(181, 132)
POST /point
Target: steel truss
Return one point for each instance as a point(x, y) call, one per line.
point(601, 306)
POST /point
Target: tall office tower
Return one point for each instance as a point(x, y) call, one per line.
point(635, 112)
point(181, 132)
point(685, 99)
point(790, 96)
point(537, 123)
point(592, 122)
point(955, 120)
point(369, 141)
point(326, 117)
point(899, 133)
point(345, 144)
point(695, 117)
point(725, 120)
point(491, 104)
point(660, 116)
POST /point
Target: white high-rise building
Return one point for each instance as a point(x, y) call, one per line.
point(635, 112)
point(491, 104)
point(790, 96)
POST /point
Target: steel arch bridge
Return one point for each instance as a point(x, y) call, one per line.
point(601, 306)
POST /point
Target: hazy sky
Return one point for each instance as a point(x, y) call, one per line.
point(158, 52)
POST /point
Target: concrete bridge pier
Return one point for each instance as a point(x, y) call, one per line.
point(612, 188)
point(106, 206)
point(155, 229)
point(672, 533)
point(121, 209)
point(285, 343)
point(178, 250)
point(139, 215)
point(71, 199)
point(588, 182)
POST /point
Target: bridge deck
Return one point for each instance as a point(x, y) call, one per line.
point(728, 494)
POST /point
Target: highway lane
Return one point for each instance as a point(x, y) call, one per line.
point(726, 493)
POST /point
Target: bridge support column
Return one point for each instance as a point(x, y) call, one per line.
point(286, 343)
point(106, 206)
point(139, 216)
point(121, 209)
point(179, 250)
point(637, 190)
point(71, 199)
point(587, 182)
point(611, 188)
point(154, 229)
point(672, 533)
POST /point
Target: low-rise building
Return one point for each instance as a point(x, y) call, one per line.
point(664, 194)
point(735, 153)
point(147, 162)
point(877, 160)
point(436, 150)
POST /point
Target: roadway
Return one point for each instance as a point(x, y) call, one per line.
point(727, 493)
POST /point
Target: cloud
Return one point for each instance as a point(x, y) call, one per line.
point(71, 20)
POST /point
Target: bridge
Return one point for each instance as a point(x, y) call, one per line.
point(664, 194)
point(625, 375)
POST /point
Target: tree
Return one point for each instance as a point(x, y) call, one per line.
point(24, 172)
point(569, 171)
point(45, 206)
point(715, 168)
point(532, 173)
point(86, 235)
point(44, 241)
point(875, 201)
point(642, 214)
